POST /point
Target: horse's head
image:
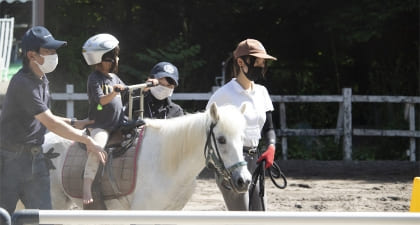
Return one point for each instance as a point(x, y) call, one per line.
point(224, 146)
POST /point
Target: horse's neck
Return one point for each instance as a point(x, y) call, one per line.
point(184, 151)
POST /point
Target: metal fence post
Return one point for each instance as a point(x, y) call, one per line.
point(347, 132)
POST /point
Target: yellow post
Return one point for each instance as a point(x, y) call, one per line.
point(415, 196)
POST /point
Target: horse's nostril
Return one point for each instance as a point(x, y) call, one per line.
point(243, 183)
point(240, 182)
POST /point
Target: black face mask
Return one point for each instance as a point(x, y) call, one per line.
point(254, 73)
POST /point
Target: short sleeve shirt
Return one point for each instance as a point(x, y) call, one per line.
point(108, 116)
point(257, 101)
point(26, 96)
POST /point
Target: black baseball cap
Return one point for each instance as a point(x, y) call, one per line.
point(165, 69)
point(39, 37)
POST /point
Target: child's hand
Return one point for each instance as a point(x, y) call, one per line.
point(119, 88)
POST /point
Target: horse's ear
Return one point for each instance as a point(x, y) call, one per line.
point(242, 108)
point(213, 112)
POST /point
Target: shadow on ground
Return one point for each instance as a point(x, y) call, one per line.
point(372, 170)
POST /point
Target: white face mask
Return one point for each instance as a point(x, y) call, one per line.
point(50, 63)
point(161, 92)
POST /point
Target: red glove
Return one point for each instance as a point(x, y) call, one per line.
point(268, 156)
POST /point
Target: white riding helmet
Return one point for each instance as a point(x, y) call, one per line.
point(96, 46)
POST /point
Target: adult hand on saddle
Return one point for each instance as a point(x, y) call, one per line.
point(268, 156)
point(102, 156)
point(81, 124)
point(98, 150)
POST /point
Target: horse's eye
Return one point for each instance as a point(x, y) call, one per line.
point(221, 140)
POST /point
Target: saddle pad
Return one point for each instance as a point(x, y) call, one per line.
point(123, 171)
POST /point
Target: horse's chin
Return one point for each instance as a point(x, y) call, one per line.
point(240, 190)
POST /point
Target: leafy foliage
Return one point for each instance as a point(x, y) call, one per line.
point(178, 52)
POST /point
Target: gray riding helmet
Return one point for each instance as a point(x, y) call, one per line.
point(165, 69)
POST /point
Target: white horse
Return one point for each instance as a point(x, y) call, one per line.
point(173, 153)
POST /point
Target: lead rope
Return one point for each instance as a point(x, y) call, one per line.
point(259, 175)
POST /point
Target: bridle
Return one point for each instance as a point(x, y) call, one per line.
point(215, 162)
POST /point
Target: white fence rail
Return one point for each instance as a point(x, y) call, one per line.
point(211, 217)
point(344, 119)
point(6, 41)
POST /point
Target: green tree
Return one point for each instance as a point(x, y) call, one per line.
point(178, 52)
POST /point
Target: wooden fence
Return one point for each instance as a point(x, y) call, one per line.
point(344, 126)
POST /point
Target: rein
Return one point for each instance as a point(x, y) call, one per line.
point(259, 175)
point(215, 162)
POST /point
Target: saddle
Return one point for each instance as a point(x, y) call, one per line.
point(117, 178)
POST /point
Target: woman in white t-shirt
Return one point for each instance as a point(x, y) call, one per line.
point(250, 64)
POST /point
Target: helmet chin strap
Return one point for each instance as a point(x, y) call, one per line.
point(114, 65)
point(105, 69)
point(114, 68)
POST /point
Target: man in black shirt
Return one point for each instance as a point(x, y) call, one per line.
point(24, 121)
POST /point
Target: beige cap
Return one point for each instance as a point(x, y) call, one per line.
point(251, 47)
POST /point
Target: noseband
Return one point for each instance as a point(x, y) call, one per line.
point(214, 160)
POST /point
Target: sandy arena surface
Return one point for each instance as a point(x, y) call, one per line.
point(327, 186)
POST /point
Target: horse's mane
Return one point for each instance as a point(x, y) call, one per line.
point(186, 133)
point(179, 136)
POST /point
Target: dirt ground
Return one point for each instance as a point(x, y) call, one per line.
point(327, 186)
